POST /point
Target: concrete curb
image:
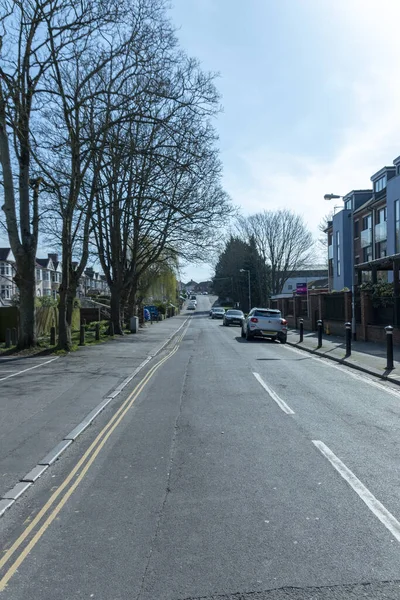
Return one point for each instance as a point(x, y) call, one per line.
point(8, 499)
point(345, 362)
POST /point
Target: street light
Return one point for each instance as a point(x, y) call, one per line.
point(248, 276)
point(353, 300)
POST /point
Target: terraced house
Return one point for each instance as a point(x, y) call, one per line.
point(48, 275)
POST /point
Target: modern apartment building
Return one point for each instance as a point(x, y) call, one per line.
point(364, 237)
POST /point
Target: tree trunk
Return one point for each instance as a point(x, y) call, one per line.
point(115, 309)
point(64, 329)
point(25, 280)
point(71, 295)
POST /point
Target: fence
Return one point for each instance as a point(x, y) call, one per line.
point(334, 307)
point(383, 311)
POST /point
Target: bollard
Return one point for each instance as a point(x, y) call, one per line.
point(319, 325)
point(53, 336)
point(14, 337)
point(301, 330)
point(8, 338)
point(389, 347)
point(97, 334)
point(82, 336)
point(111, 329)
point(348, 339)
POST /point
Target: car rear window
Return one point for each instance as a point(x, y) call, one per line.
point(267, 313)
point(234, 312)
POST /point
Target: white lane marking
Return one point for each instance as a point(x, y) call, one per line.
point(30, 368)
point(281, 403)
point(376, 507)
point(364, 378)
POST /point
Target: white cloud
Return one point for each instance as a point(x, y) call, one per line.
point(368, 39)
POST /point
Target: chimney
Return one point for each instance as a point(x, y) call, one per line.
point(54, 257)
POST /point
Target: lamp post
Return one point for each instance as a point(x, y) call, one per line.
point(353, 302)
point(248, 278)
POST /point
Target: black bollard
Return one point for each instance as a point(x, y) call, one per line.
point(389, 347)
point(319, 325)
point(8, 337)
point(53, 336)
point(82, 336)
point(111, 329)
point(97, 334)
point(14, 336)
point(348, 339)
point(301, 330)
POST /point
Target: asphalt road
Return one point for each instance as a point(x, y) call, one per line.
point(237, 470)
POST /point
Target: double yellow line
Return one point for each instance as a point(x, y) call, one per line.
point(78, 472)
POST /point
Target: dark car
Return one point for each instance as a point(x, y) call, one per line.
point(233, 317)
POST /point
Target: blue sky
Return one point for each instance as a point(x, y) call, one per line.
point(311, 96)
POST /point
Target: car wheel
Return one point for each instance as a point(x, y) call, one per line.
point(283, 339)
point(212, 316)
point(227, 324)
point(249, 336)
point(243, 333)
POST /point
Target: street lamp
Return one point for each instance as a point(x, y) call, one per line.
point(248, 277)
point(353, 300)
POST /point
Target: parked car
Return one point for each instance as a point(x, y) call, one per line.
point(218, 312)
point(233, 317)
point(265, 322)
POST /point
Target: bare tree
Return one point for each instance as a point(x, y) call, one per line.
point(160, 195)
point(36, 33)
point(86, 91)
point(283, 241)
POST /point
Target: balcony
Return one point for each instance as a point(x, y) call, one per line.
point(330, 252)
point(381, 232)
point(366, 238)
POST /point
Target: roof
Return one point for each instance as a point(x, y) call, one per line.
point(43, 262)
point(5, 253)
point(368, 203)
point(381, 172)
point(384, 264)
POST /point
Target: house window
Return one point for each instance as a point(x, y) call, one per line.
point(381, 250)
point(38, 274)
point(381, 215)
point(338, 252)
point(367, 222)
point(356, 228)
point(397, 225)
point(347, 204)
point(380, 184)
point(367, 254)
point(46, 276)
point(290, 287)
point(4, 269)
point(47, 292)
point(5, 292)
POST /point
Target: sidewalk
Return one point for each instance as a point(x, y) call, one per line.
point(40, 407)
point(365, 356)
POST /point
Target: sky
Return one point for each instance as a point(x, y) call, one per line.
point(310, 94)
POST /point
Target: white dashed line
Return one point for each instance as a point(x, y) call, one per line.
point(30, 368)
point(376, 507)
point(281, 403)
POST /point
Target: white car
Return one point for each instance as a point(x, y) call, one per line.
point(265, 322)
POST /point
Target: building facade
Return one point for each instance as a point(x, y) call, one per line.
point(48, 275)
